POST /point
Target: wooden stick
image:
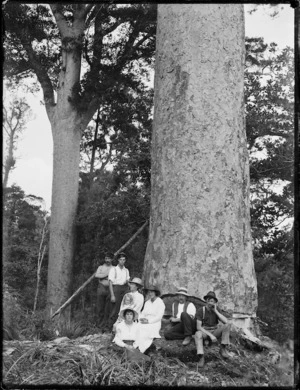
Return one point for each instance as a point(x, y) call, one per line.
point(131, 239)
point(92, 277)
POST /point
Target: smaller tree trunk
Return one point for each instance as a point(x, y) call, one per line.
point(95, 143)
point(9, 161)
point(41, 255)
point(38, 273)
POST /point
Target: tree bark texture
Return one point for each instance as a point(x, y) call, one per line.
point(200, 234)
point(67, 125)
point(65, 184)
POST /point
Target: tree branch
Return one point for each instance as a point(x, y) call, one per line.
point(103, 165)
point(90, 111)
point(16, 125)
point(93, 14)
point(111, 28)
point(87, 10)
point(85, 48)
point(60, 20)
point(128, 48)
point(42, 75)
point(141, 41)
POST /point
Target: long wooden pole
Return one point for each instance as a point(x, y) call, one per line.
point(78, 291)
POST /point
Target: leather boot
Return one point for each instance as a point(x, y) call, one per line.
point(187, 340)
point(223, 352)
point(201, 361)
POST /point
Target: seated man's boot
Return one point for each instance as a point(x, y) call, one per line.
point(223, 352)
point(201, 361)
point(187, 340)
point(208, 342)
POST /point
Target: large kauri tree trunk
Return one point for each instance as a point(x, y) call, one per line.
point(67, 125)
point(66, 156)
point(200, 222)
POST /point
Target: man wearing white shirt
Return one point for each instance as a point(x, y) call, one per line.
point(118, 279)
point(183, 319)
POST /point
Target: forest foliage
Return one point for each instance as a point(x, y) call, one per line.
point(83, 56)
point(114, 195)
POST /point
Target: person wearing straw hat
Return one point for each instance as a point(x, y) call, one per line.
point(150, 319)
point(183, 319)
point(126, 331)
point(133, 298)
point(138, 299)
point(213, 325)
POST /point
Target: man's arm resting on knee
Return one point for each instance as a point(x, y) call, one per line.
point(199, 327)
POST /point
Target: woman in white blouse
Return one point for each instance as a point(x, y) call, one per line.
point(126, 331)
point(133, 298)
point(150, 320)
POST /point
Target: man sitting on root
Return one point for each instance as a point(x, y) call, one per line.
point(208, 326)
point(183, 319)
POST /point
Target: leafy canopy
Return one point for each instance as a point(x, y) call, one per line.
point(116, 44)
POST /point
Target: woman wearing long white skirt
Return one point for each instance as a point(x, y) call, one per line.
point(150, 320)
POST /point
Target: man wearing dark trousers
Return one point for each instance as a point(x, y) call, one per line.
point(183, 319)
point(118, 279)
point(211, 324)
point(103, 289)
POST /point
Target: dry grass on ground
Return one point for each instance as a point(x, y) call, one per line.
point(92, 360)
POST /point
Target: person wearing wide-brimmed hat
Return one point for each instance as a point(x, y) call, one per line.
point(126, 330)
point(183, 318)
point(213, 325)
point(138, 299)
point(150, 319)
point(133, 298)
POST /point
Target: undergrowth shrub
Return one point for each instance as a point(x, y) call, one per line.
point(276, 299)
point(12, 313)
point(72, 330)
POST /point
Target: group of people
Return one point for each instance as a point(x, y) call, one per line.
point(205, 324)
point(136, 321)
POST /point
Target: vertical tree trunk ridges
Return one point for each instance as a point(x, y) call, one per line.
point(66, 156)
point(200, 225)
point(67, 125)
